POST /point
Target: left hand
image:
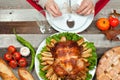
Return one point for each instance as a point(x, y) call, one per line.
point(52, 8)
point(86, 7)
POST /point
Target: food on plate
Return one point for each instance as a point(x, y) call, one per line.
point(6, 72)
point(29, 45)
point(109, 65)
point(67, 56)
point(114, 22)
point(25, 51)
point(24, 74)
point(103, 24)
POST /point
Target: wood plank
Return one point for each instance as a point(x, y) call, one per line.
point(21, 27)
point(31, 27)
point(35, 39)
point(14, 4)
point(18, 15)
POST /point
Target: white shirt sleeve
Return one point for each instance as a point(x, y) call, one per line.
point(42, 3)
point(95, 1)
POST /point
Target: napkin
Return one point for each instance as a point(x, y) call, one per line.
point(99, 5)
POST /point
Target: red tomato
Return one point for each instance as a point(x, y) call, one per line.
point(13, 64)
point(8, 56)
point(103, 24)
point(22, 62)
point(11, 49)
point(114, 22)
point(16, 55)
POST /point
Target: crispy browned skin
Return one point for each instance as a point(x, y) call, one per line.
point(67, 59)
point(109, 65)
point(24, 74)
point(6, 72)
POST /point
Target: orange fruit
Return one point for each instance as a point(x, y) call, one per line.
point(103, 24)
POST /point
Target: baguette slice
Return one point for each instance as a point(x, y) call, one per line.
point(24, 74)
point(6, 72)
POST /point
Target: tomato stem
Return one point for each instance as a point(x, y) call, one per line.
point(104, 22)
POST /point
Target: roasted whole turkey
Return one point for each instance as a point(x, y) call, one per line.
point(66, 59)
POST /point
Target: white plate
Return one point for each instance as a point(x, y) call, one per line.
point(59, 23)
point(80, 29)
point(37, 64)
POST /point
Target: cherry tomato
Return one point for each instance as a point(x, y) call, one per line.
point(22, 62)
point(8, 56)
point(110, 17)
point(13, 63)
point(114, 22)
point(16, 55)
point(11, 49)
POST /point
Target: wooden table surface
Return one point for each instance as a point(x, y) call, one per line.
point(20, 15)
point(30, 31)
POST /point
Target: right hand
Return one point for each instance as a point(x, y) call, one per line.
point(86, 7)
point(52, 8)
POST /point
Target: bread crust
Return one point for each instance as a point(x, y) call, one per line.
point(24, 74)
point(109, 65)
point(6, 72)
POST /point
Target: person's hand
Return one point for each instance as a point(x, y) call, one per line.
point(86, 7)
point(52, 8)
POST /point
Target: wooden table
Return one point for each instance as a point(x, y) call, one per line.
point(30, 31)
point(20, 17)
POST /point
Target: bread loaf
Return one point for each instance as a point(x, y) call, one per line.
point(24, 74)
point(6, 72)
